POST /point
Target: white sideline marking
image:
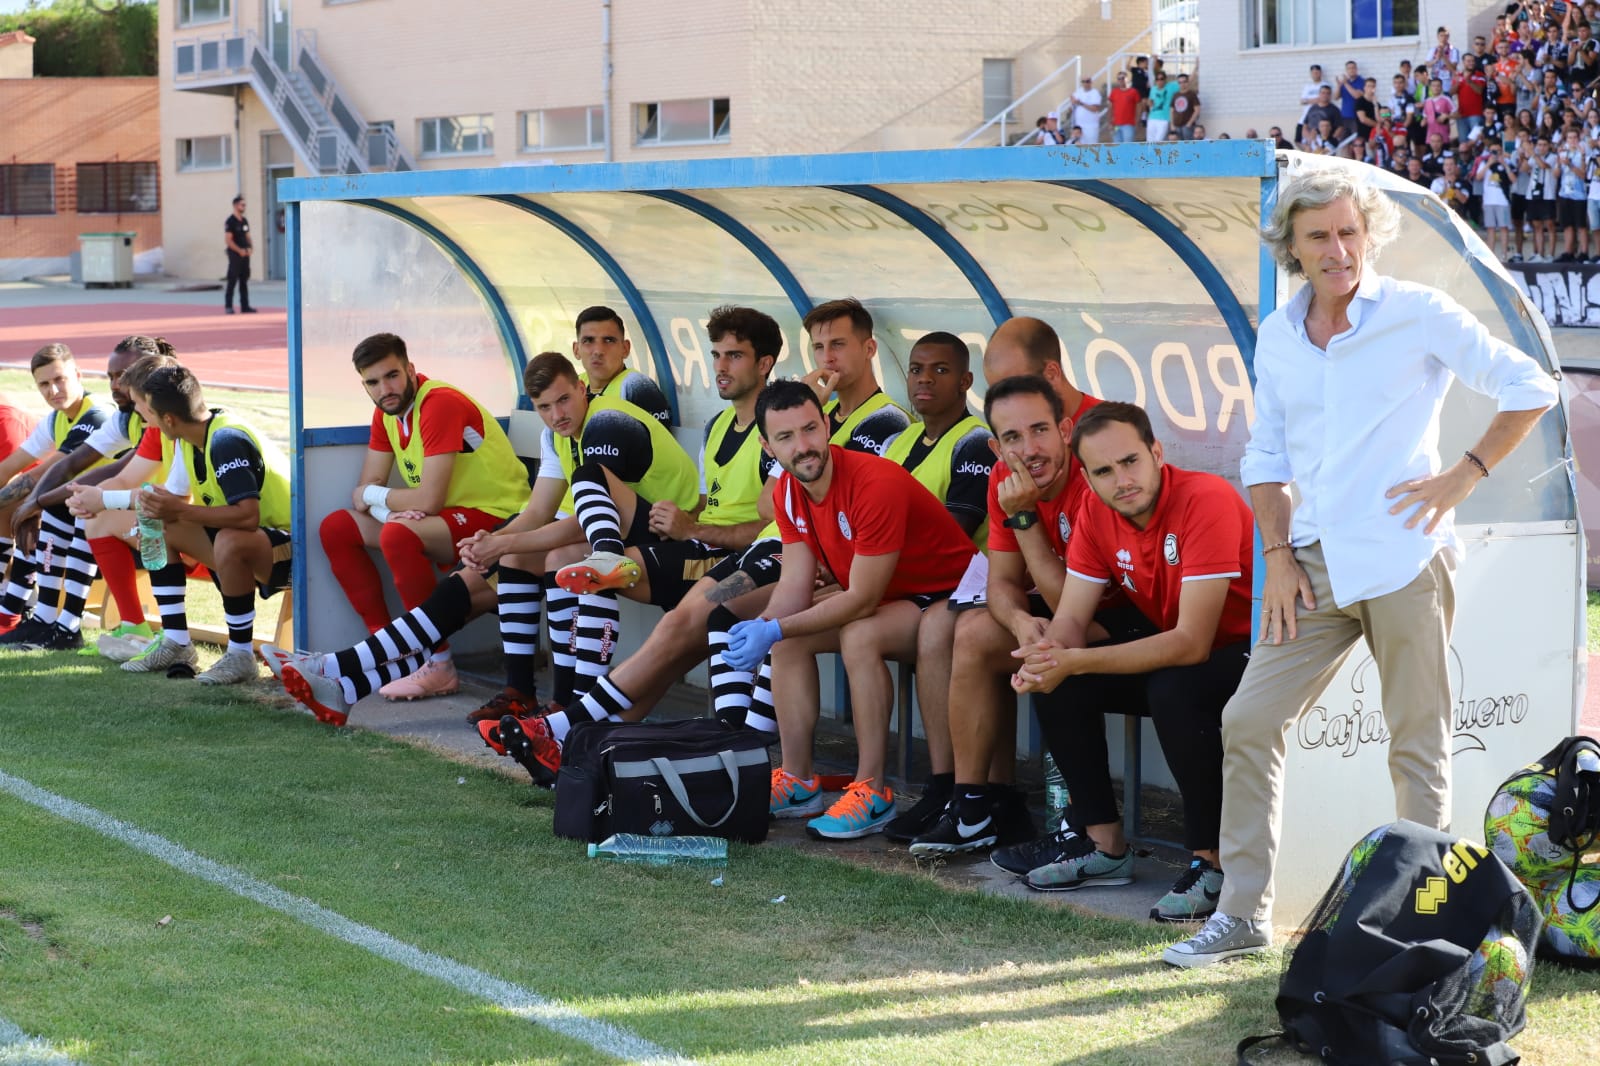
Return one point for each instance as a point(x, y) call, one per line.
point(604, 1037)
point(19, 1049)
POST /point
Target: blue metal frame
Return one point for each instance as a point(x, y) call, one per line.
point(1267, 286)
point(759, 248)
point(942, 239)
point(619, 277)
point(1163, 228)
point(499, 313)
point(1188, 159)
point(297, 417)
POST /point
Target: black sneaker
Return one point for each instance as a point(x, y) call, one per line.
point(1014, 821)
point(952, 836)
point(58, 639)
point(30, 631)
point(911, 824)
point(1022, 859)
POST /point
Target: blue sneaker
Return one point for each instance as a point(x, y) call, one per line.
point(861, 811)
point(793, 797)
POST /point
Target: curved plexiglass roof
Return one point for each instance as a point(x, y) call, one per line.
point(1146, 259)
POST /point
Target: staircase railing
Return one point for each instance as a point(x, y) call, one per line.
point(1006, 117)
point(375, 146)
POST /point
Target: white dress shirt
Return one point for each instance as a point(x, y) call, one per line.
point(1347, 424)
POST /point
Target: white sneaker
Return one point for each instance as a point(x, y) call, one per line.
point(277, 658)
point(234, 668)
point(433, 678)
point(1222, 937)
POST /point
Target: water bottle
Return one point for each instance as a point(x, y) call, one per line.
point(1056, 798)
point(661, 851)
point(152, 540)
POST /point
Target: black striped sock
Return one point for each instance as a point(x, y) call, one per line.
point(81, 570)
point(416, 632)
point(599, 628)
point(730, 688)
point(239, 613)
point(596, 510)
point(167, 585)
point(560, 618)
point(521, 597)
point(20, 585)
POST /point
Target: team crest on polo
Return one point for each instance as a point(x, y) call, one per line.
point(844, 527)
point(1169, 549)
point(1063, 526)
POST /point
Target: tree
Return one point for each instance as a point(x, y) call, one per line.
point(90, 38)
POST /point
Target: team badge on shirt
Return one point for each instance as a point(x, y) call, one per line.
point(1063, 526)
point(844, 527)
point(1170, 549)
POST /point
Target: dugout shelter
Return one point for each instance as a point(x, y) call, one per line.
point(1145, 258)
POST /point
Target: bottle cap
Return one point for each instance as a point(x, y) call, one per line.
point(594, 849)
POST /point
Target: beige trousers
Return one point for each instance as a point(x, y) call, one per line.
point(1408, 633)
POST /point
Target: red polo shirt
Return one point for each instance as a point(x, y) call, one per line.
point(1201, 530)
point(875, 507)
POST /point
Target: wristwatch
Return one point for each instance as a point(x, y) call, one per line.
point(1022, 520)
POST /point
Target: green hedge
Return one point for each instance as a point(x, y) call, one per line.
point(75, 40)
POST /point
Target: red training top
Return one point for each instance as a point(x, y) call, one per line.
point(1057, 514)
point(875, 507)
point(15, 426)
point(1201, 530)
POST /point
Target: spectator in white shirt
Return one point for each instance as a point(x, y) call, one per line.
point(1087, 103)
point(1308, 96)
point(1351, 375)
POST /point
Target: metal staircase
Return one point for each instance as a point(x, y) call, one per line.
point(327, 132)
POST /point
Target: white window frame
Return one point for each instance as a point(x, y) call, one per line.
point(186, 15)
point(1252, 16)
point(647, 129)
point(594, 121)
point(223, 139)
point(483, 125)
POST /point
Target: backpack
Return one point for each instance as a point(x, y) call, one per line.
point(1419, 954)
point(1544, 823)
point(697, 777)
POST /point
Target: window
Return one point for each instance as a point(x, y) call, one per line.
point(119, 188)
point(458, 135)
point(701, 121)
point(997, 87)
point(27, 189)
point(205, 153)
point(556, 128)
point(200, 12)
point(1302, 22)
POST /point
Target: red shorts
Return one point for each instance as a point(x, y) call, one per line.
point(465, 521)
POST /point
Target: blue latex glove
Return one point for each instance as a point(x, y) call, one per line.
point(749, 642)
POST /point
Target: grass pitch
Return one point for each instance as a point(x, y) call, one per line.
point(853, 966)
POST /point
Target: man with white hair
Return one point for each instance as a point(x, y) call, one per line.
point(1371, 551)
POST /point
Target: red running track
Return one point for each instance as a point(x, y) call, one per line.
point(248, 351)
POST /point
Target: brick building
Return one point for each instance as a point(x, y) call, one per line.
point(77, 155)
point(251, 93)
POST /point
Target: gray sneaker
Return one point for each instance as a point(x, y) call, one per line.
point(160, 657)
point(1222, 937)
point(1085, 866)
point(277, 658)
point(1193, 895)
point(234, 668)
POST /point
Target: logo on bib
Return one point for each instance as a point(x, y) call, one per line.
point(844, 527)
point(1125, 558)
point(1170, 549)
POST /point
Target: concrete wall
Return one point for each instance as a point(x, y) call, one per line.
point(818, 77)
point(16, 55)
point(1241, 88)
point(67, 121)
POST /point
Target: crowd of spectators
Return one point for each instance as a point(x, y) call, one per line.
point(1506, 131)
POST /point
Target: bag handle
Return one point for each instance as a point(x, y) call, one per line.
point(669, 774)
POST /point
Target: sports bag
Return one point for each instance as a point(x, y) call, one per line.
point(1419, 954)
point(698, 777)
point(1544, 823)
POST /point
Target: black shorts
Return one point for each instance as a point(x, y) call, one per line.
point(1573, 213)
point(1519, 210)
point(281, 576)
point(1122, 623)
point(924, 600)
point(1541, 210)
point(762, 562)
point(673, 566)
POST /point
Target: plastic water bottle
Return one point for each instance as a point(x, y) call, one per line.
point(662, 851)
point(1056, 798)
point(152, 540)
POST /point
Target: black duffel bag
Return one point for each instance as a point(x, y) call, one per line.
point(699, 777)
